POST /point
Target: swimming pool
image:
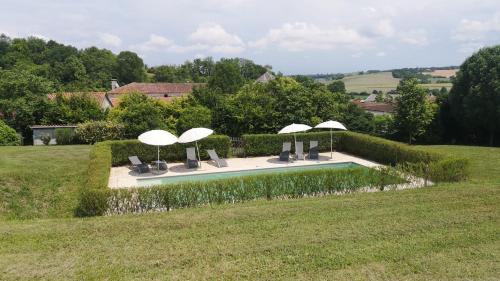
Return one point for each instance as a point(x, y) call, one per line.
point(234, 174)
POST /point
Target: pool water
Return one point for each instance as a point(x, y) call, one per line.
point(234, 174)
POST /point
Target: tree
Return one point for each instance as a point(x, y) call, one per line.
point(475, 95)
point(130, 68)
point(138, 114)
point(194, 117)
point(75, 109)
point(337, 86)
point(15, 84)
point(413, 111)
point(226, 78)
point(101, 66)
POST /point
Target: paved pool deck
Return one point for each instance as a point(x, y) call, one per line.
point(122, 177)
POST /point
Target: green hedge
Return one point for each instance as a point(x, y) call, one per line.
point(289, 185)
point(272, 144)
point(91, 201)
point(443, 168)
point(121, 150)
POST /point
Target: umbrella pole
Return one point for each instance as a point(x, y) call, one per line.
point(199, 158)
point(331, 144)
point(295, 143)
point(158, 162)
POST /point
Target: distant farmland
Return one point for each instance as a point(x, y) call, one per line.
point(381, 81)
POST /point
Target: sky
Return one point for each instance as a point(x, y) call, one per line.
point(295, 37)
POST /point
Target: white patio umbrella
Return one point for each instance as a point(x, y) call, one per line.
point(158, 138)
point(331, 125)
point(195, 134)
point(294, 128)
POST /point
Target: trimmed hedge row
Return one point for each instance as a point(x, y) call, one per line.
point(441, 167)
point(90, 201)
point(121, 150)
point(271, 144)
point(287, 185)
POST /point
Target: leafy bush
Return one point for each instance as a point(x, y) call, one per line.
point(97, 131)
point(233, 190)
point(271, 144)
point(8, 136)
point(65, 135)
point(45, 139)
point(121, 150)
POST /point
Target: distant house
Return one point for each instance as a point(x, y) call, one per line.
point(50, 130)
point(100, 97)
point(266, 77)
point(376, 108)
point(162, 91)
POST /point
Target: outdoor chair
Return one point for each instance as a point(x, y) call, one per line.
point(214, 157)
point(313, 150)
point(285, 153)
point(192, 160)
point(137, 165)
point(299, 151)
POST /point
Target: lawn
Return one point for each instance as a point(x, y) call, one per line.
point(42, 181)
point(447, 232)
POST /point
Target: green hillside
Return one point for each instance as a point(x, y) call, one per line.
point(444, 232)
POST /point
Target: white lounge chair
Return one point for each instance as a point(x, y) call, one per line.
point(214, 157)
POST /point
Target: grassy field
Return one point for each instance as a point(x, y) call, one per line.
point(40, 182)
point(447, 232)
point(381, 81)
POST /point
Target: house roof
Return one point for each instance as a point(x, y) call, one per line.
point(375, 106)
point(51, 126)
point(97, 96)
point(156, 88)
point(266, 77)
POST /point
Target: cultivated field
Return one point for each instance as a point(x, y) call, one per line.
point(443, 72)
point(381, 81)
point(446, 232)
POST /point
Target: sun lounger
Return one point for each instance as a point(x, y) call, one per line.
point(137, 165)
point(192, 161)
point(285, 153)
point(214, 157)
point(313, 150)
point(299, 151)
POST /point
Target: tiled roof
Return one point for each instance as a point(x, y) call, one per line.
point(266, 77)
point(156, 88)
point(375, 106)
point(52, 126)
point(98, 96)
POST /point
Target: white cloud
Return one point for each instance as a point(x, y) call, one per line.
point(214, 38)
point(301, 36)
point(110, 39)
point(415, 37)
point(381, 54)
point(208, 37)
point(476, 30)
point(383, 28)
point(357, 55)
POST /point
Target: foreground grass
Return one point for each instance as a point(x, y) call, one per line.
point(448, 232)
point(41, 182)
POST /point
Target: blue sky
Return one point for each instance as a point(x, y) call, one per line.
point(293, 36)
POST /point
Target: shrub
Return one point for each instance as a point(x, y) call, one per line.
point(8, 136)
point(97, 131)
point(121, 150)
point(65, 136)
point(93, 199)
point(279, 185)
point(45, 139)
